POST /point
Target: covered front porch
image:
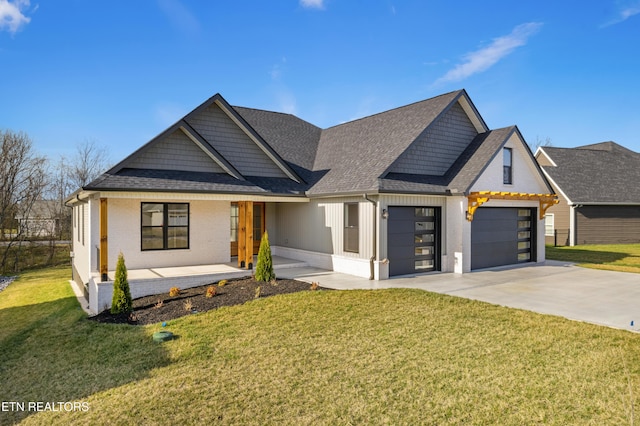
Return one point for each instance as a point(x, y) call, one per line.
point(150, 281)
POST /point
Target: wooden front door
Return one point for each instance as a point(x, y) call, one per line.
point(258, 227)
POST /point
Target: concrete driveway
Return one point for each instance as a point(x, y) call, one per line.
point(556, 288)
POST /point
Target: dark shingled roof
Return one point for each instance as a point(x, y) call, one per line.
point(353, 157)
point(180, 181)
point(461, 175)
point(357, 153)
point(293, 138)
point(600, 173)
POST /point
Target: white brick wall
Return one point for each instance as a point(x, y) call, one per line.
point(209, 230)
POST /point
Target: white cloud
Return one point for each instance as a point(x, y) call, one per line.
point(624, 13)
point(312, 4)
point(485, 58)
point(278, 69)
point(180, 17)
point(12, 17)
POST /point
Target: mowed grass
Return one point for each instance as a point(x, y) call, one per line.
point(324, 357)
point(612, 257)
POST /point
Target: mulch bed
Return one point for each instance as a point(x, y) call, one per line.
point(162, 307)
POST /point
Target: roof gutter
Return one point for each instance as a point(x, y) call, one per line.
point(75, 198)
point(374, 254)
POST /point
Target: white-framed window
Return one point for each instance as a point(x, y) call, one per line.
point(549, 224)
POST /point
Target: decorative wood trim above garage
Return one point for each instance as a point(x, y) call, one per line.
point(478, 198)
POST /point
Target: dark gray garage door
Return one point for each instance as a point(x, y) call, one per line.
point(413, 240)
point(502, 236)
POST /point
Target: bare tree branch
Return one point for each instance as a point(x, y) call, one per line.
point(88, 163)
point(23, 179)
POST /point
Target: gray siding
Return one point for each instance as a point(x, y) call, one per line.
point(438, 148)
point(608, 225)
point(234, 145)
point(175, 152)
point(561, 221)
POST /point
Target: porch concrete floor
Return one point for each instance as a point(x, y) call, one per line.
point(279, 263)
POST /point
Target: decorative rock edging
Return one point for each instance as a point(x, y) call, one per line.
point(5, 281)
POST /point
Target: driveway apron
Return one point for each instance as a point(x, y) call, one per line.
point(556, 288)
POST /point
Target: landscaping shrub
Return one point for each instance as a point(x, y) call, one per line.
point(211, 291)
point(188, 305)
point(174, 291)
point(121, 302)
point(264, 267)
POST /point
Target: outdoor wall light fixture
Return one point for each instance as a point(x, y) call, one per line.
point(385, 214)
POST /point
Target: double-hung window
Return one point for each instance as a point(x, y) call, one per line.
point(507, 169)
point(165, 226)
point(549, 224)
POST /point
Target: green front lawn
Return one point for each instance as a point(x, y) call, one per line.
point(613, 257)
point(329, 357)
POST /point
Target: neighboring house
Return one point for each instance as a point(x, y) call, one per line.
point(391, 194)
point(40, 221)
point(599, 191)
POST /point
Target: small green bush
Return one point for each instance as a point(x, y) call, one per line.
point(121, 302)
point(222, 283)
point(264, 267)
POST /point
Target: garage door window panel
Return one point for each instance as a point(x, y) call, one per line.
point(424, 264)
point(524, 235)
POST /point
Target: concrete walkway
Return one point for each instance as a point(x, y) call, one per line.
point(556, 288)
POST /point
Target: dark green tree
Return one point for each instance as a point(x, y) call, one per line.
point(264, 267)
point(121, 302)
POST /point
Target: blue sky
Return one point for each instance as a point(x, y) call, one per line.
point(120, 72)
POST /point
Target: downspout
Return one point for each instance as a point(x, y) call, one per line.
point(375, 234)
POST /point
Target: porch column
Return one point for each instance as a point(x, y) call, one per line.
point(245, 234)
point(104, 246)
point(249, 234)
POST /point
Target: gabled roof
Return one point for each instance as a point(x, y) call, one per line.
point(602, 173)
point(361, 156)
point(207, 148)
point(463, 173)
point(295, 140)
point(356, 154)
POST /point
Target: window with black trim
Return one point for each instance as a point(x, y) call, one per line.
point(351, 228)
point(165, 226)
point(507, 169)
